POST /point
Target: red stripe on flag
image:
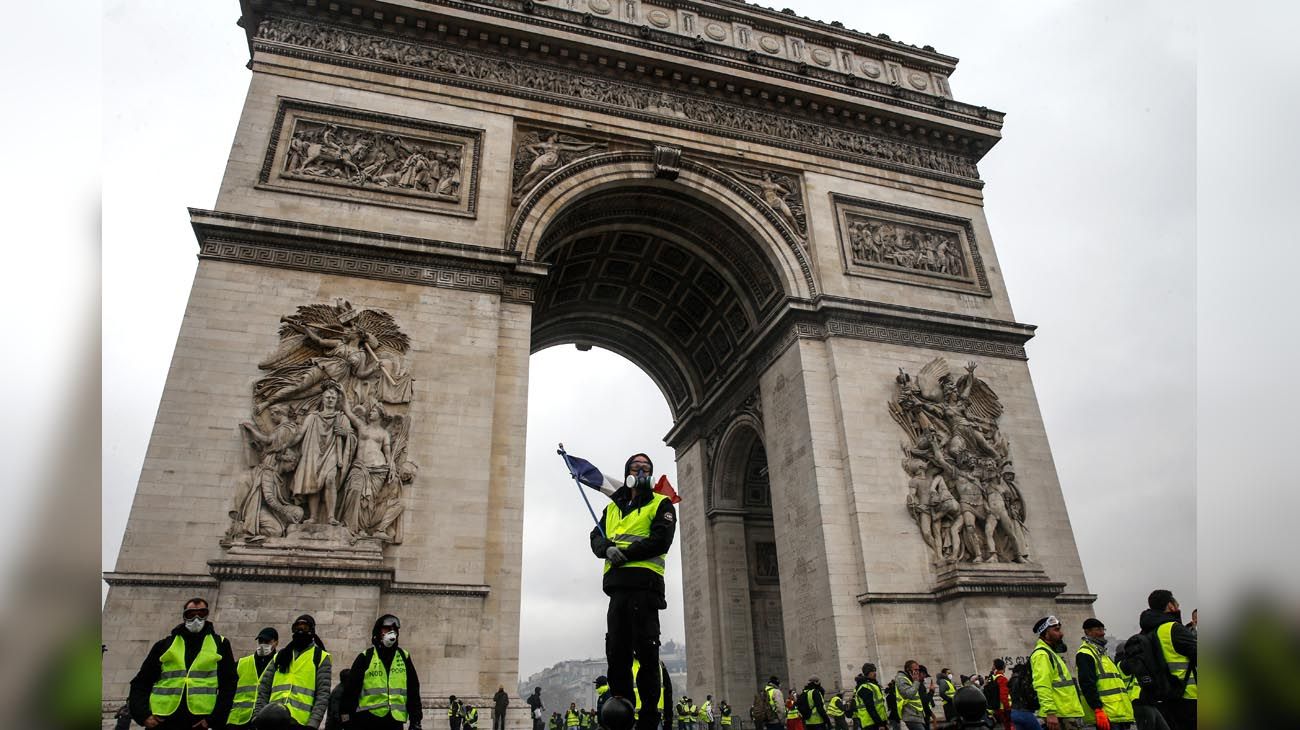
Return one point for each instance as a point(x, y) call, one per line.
point(665, 487)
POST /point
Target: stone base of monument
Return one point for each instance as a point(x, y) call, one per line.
point(1014, 579)
point(307, 552)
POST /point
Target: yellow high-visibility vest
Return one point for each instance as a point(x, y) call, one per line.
point(1179, 665)
point(877, 702)
point(625, 529)
point(197, 682)
point(814, 716)
point(835, 708)
point(384, 691)
point(241, 713)
point(1110, 685)
point(1052, 680)
point(296, 688)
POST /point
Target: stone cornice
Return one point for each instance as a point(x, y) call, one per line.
point(159, 579)
point(365, 254)
point(828, 129)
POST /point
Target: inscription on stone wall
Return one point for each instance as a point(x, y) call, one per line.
point(562, 86)
point(327, 440)
point(356, 156)
point(962, 489)
point(886, 241)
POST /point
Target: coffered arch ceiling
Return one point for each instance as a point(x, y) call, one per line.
point(659, 277)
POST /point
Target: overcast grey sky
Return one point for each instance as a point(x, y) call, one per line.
point(1090, 197)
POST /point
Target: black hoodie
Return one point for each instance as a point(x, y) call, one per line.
point(1183, 639)
point(352, 688)
point(143, 682)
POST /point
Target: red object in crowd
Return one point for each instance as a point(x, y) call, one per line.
point(665, 487)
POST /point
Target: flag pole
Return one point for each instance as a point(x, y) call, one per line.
point(581, 492)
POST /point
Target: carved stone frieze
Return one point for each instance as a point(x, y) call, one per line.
point(539, 152)
point(327, 438)
point(668, 161)
point(962, 489)
point(885, 241)
point(563, 86)
point(782, 192)
point(355, 155)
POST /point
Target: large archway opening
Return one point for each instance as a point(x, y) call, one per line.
point(674, 280)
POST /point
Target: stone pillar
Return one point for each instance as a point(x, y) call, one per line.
point(698, 593)
point(731, 574)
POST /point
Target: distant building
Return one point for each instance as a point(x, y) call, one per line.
point(571, 680)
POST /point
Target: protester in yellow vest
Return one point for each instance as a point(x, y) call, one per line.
point(1164, 618)
point(300, 681)
point(812, 705)
point(835, 710)
point(188, 679)
point(724, 714)
point(633, 538)
point(871, 710)
point(383, 688)
point(1100, 682)
point(249, 670)
point(1058, 697)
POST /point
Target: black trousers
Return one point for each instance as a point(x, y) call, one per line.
point(1180, 713)
point(632, 630)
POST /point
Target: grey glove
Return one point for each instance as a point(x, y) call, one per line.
point(615, 556)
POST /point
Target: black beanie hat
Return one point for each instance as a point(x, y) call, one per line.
point(627, 465)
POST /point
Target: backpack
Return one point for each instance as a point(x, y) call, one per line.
point(801, 704)
point(992, 699)
point(891, 701)
point(761, 712)
point(1144, 661)
point(1021, 688)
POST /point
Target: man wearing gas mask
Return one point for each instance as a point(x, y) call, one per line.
point(633, 539)
point(188, 679)
point(250, 670)
point(383, 689)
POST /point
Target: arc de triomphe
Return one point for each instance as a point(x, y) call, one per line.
point(779, 220)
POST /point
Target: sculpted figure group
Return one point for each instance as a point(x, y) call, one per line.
point(371, 159)
point(962, 488)
point(905, 246)
point(327, 441)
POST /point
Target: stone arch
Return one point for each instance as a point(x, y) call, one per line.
point(728, 461)
point(780, 245)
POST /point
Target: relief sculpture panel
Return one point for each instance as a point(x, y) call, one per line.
point(354, 155)
point(962, 488)
point(884, 241)
point(326, 443)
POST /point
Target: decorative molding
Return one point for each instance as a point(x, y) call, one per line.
point(869, 229)
point(712, 47)
point(439, 589)
point(359, 156)
point(331, 260)
point(913, 337)
point(667, 161)
point(304, 572)
point(160, 579)
point(341, 46)
point(1085, 599)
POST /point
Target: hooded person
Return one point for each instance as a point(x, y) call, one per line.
point(300, 680)
point(1163, 618)
point(869, 700)
point(188, 679)
point(383, 688)
point(633, 539)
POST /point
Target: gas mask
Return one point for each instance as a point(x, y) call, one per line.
point(637, 480)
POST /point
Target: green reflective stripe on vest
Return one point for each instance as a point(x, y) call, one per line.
point(632, 527)
point(241, 713)
point(383, 691)
point(1178, 664)
point(198, 681)
point(296, 688)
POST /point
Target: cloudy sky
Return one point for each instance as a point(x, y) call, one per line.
point(1091, 199)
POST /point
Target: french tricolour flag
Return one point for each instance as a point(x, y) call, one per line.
point(589, 476)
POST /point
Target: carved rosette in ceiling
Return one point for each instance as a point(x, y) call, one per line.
point(885, 241)
point(780, 191)
point(327, 434)
point(962, 489)
point(360, 156)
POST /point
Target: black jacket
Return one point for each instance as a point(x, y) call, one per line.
point(1183, 638)
point(662, 529)
point(352, 688)
point(227, 678)
point(817, 705)
point(1087, 672)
